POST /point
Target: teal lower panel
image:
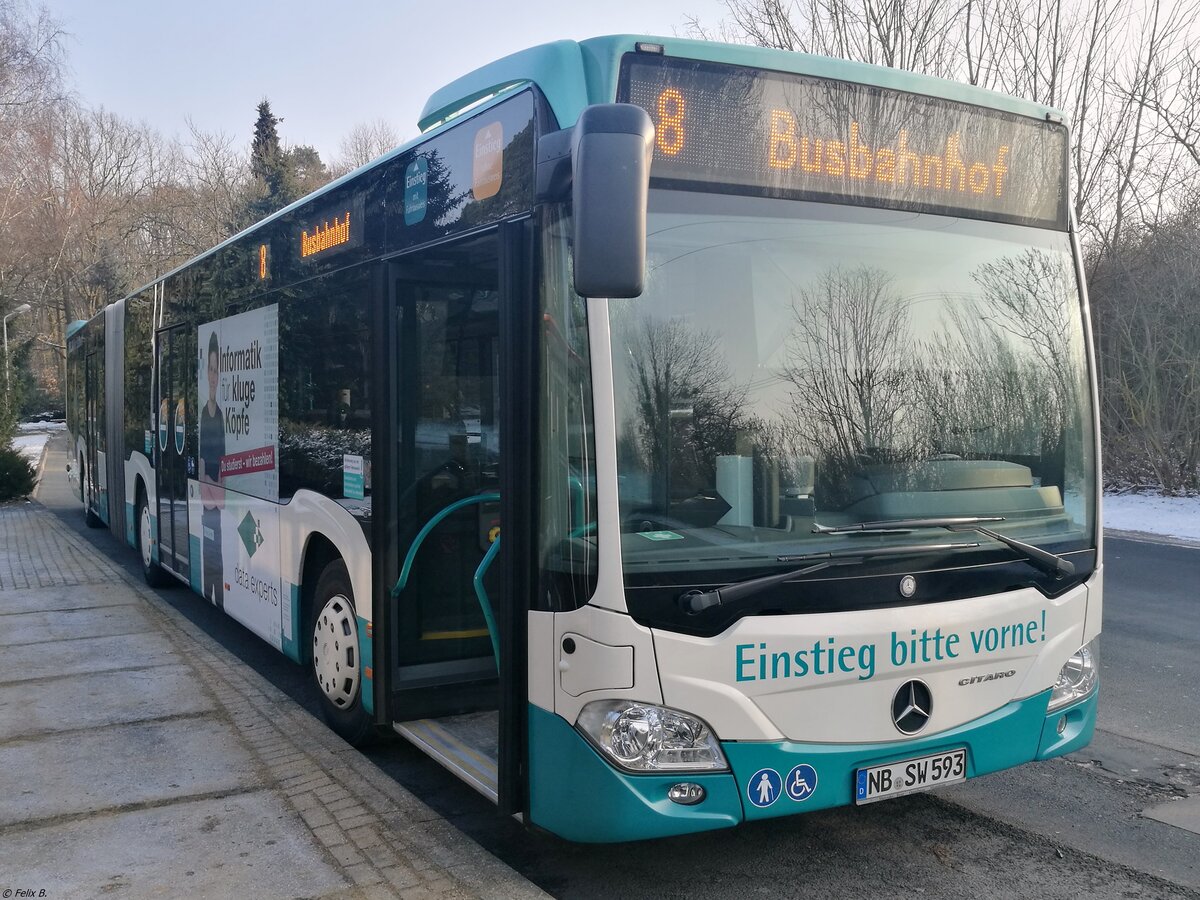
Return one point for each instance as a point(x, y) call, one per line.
point(366, 651)
point(130, 533)
point(579, 796)
point(575, 793)
point(195, 567)
point(291, 646)
point(1079, 721)
point(102, 506)
point(1004, 738)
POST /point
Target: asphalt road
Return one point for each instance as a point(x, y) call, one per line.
point(1064, 828)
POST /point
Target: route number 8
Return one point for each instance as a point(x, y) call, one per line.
point(670, 122)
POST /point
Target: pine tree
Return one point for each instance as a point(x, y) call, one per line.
point(266, 155)
point(305, 169)
point(278, 176)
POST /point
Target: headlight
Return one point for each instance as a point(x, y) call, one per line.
point(640, 737)
point(1078, 676)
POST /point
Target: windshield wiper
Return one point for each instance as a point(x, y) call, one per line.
point(1036, 556)
point(697, 601)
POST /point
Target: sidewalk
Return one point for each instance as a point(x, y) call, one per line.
point(139, 759)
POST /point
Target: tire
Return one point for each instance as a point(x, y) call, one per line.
point(90, 519)
point(335, 660)
point(155, 576)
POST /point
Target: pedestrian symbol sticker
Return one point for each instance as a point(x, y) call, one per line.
point(801, 782)
point(764, 787)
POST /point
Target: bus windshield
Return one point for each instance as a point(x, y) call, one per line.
point(795, 364)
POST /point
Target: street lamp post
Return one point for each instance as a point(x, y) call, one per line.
point(23, 308)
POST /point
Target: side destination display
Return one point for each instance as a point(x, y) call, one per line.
point(737, 130)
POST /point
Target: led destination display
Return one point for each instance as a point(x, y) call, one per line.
point(751, 131)
point(330, 230)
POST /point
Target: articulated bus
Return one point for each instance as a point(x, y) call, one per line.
point(673, 435)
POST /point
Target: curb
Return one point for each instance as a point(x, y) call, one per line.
point(384, 840)
point(1148, 537)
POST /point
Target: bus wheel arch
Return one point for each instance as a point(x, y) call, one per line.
point(154, 575)
point(318, 553)
point(331, 650)
point(90, 517)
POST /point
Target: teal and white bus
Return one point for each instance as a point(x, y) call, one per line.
point(673, 435)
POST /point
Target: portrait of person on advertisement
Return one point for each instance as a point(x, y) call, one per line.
point(212, 494)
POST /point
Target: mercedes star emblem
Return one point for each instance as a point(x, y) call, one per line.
point(912, 706)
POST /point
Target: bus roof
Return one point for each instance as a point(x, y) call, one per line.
point(573, 75)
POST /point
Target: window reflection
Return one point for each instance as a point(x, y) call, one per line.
point(324, 388)
point(849, 366)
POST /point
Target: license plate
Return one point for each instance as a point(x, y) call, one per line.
point(910, 775)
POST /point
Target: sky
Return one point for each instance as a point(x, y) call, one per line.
point(325, 65)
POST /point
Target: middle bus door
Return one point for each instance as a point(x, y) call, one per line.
point(454, 664)
point(93, 428)
point(176, 405)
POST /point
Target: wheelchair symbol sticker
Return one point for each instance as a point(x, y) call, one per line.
point(801, 782)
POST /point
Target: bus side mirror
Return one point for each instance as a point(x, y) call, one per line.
point(611, 148)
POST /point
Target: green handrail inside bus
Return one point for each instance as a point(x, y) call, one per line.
point(484, 603)
point(480, 592)
point(576, 487)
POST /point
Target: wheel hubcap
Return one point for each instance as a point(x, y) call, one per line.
point(145, 535)
point(335, 651)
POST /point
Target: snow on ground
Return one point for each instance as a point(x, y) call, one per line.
point(32, 438)
point(1172, 516)
point(30, 446)
point(32, 427)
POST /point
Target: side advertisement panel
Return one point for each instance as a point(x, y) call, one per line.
point(235, 513)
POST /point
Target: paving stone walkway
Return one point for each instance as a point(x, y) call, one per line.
point(139, 759)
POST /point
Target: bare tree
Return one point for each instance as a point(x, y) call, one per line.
point(688, 408)
point(979, 395)
point(31, 58)
point(216, 176)
point(1175, 99)
point(1150, 355)
point(847, 365)
point(365, 142)
point(906, 34)
point(31, 85)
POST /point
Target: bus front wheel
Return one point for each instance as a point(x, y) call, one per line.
point(336, 662)
point(151, 571)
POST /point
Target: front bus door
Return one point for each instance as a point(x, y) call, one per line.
point(176, 405)
point(454, 435)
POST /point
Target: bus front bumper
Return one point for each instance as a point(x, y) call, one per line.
point(576, 794)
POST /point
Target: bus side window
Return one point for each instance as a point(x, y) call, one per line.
point(324, 383)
